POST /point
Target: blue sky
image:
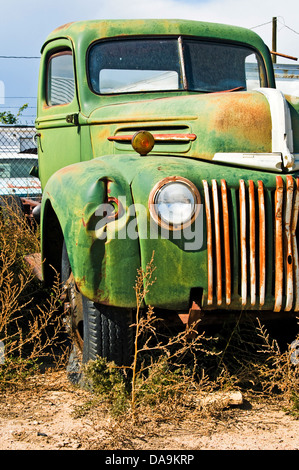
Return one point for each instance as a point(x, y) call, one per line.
point(24, 25)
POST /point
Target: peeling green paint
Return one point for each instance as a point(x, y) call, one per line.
point(80, 169)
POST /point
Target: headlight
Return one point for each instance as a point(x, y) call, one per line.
point(174, 202)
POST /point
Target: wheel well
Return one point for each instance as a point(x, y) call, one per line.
point(52, 240)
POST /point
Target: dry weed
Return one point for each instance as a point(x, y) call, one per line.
point(169, 374)
point(279, 372)
point(164, 374)
point(30, 325)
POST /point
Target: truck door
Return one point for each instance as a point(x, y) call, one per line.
point(58, 132)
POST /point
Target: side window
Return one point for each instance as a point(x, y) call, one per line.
point(252, 71)
point(60, 79)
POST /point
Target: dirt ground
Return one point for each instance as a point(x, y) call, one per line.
point(45, 417)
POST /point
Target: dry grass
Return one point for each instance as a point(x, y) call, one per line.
point(30, 322)
point(168, 374)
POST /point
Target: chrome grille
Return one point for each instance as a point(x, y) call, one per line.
point(252, 253)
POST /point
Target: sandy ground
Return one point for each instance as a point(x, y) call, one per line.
point(44, 417)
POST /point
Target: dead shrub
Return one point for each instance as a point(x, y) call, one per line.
point(169, 374)
point(30, 320)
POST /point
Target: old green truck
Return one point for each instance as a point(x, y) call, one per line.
point(165, 137)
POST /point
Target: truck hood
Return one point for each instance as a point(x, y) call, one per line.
point(240, 128)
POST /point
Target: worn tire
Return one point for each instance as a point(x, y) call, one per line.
point(106, 331)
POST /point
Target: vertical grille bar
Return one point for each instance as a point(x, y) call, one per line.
point(288, 243)
point(217, 242)
point(243, 243)
point(252, 243)
point(295, 248)
point(278, 244)
point(251, 230)
point(262, 243)
point(209, 242)
point(225, 210)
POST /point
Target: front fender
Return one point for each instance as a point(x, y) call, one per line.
point(104, 265)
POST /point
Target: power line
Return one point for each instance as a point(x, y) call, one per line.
point(18, 57)
point(259, 25)
point(291, 29)
point(17, 107)
point(268, 22)
point(35, 57)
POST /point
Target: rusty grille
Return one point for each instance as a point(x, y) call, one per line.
point(252, 253)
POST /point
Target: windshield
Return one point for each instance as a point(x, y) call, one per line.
point(135, 65)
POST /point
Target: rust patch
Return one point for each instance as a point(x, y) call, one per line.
point(278, 244)
point(262, 242)
point(243, 242)
point(252, 242)
point(246, 119)
point(33, 185)
point(64, 26)
point(157, 137)
point(191, 319)
point(226, 241)
point(294, 246)
point(217, 242)
point(288, 243)
point(209, 241)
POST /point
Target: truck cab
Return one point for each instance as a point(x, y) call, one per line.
point(165, 138)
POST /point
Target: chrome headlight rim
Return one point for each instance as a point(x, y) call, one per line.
point(157, 189)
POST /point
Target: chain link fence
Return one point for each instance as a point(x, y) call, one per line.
point(18, 154)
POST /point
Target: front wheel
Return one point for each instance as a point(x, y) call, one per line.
point(96, 329)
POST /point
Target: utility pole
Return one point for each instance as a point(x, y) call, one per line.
point(274, 38)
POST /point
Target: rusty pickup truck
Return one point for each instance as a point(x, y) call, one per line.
point(165, 137)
